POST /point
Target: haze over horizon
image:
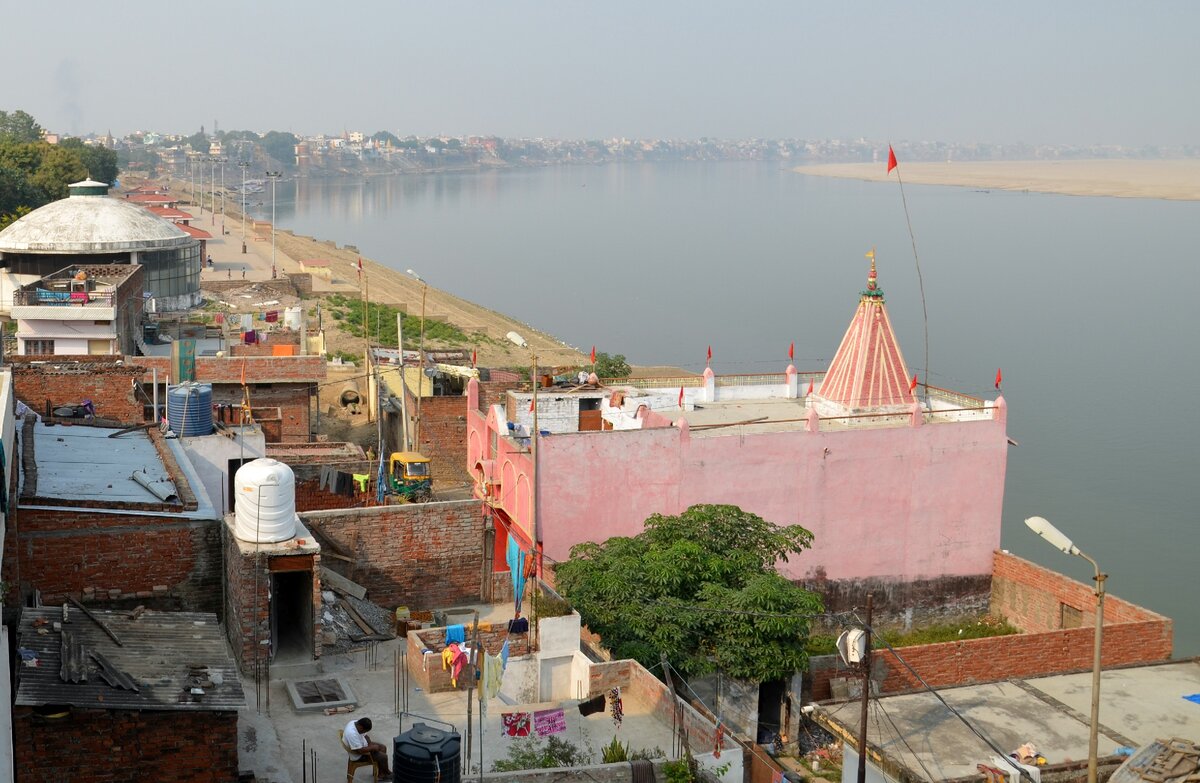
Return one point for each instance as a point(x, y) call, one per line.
point(1063, 73)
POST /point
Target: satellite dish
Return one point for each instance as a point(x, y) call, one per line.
point(852, 646)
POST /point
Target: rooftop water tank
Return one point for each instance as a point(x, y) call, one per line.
point(265, 505)
point(291, 318)
point(189, 409)
point(425, 754)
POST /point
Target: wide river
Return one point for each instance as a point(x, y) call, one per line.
point(1085, 304)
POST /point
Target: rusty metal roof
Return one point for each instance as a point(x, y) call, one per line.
point(164, 654)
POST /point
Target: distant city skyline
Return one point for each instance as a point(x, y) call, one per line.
point(1064, 73)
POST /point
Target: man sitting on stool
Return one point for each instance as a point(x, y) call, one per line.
point(355, 735)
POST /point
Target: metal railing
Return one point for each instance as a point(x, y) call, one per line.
point(41, 297)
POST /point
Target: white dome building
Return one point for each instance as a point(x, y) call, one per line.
point(87, 227)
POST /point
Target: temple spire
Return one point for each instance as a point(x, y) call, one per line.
point(868, 370)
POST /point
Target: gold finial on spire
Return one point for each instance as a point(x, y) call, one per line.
point(871, 277)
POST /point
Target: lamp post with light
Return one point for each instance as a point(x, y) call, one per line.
point(274, 177)
point(517, 339)
point(1059, 541)
point(421, 350)
point(243, 165)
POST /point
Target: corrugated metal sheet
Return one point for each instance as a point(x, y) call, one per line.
point(161, 650)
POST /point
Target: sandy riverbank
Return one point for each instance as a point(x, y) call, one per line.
point(1177, 180)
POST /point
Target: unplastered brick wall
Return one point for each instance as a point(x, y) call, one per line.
point(310, 496)
point(125, 746)
point(1024, 593)
point(166, 563)
point(444, 437)
point(647, 690)
point(108, 385)
point(419, 555)
point(291, 400)
point(427, 670)
point(248, 599)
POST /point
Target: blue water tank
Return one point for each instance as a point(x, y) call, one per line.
point(189, 409)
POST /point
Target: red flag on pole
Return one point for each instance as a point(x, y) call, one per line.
point(360, 266)
point(680, 396)
point(913, 385)
point(593, 354)
point(891, 159)
point(710, 354)
point(792, 351)
point(998, 377)
point(810, 386)
point(474, 356)
point(531, 405)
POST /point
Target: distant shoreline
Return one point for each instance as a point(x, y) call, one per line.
point(1172, 180)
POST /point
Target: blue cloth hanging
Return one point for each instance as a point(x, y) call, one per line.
point(456, 633)
point(515, 557)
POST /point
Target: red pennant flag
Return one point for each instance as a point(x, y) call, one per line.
point(593, 354)
point(891, 159)
point(810, 386)
point(913, 385)
point(360, 269)
point(680, 396)
point(710, 353)
point(998, 377)
point(474, 356)
point(792, 351)
point(531, 405)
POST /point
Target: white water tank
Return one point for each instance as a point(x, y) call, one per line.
point(265, 505)
point(291, 318)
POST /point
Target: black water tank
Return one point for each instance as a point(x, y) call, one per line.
point(425, 754)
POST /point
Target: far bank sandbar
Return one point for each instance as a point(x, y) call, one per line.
point(1176, 180)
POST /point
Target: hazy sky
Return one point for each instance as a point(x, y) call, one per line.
point(1039, 72)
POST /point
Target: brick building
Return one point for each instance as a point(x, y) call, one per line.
point(172, 715)
point(109, 382)
point(83, 309)
point(285, 382)
point(88, 502)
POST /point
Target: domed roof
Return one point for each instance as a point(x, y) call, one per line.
point(90, 224)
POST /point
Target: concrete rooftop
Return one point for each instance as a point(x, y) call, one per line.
point(1137, 705)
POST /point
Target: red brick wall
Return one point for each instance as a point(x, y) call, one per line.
point(444, 429)
point(109, 386)
point(125, 746)
point(428, 672)
point(248, 612)
point(419, 555)
point(1029, 596)
point(291, 399)
point(166, 562)
point(259, 369)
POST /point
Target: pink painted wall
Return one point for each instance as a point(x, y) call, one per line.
point(897, 503)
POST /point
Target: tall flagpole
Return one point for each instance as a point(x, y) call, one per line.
point(894, 164)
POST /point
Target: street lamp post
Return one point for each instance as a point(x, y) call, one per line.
point(243, 165)
point(223, 160)
point(274, 176)
point(421, 350)
point(212, 188)
point(517, 339)
point(1059, 541)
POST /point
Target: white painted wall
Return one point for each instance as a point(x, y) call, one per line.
point(559, 635)
point(210, 455)
point(520, 683)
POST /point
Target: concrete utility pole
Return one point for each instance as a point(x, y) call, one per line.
point(866, 698)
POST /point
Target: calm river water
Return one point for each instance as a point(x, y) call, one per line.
point(1086, 304)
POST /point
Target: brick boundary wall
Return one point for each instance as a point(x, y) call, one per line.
point(125, 746)
point(165, 563)
point(1030, 597)
point(69, 381)
point(419, 555)
point(428, 673)
point(639, 685)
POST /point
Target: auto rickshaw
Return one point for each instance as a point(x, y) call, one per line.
point(409, 477)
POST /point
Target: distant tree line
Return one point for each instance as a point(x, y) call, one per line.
point(34, 172)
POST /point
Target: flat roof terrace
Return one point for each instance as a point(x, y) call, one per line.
point(78, 465)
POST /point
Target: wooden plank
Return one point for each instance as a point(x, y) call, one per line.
point(97, 621)
point(341, 584)
point(286, 563)
point(356, 617)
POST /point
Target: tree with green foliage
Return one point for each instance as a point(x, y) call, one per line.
point(19, 126)
point(386, 137)
point(281, 147)
point(60, 167)
point(611, 366)
point(700, 587)
point(100, 162)
point(198, 141)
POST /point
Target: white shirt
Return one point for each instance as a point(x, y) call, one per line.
point(354, 739)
